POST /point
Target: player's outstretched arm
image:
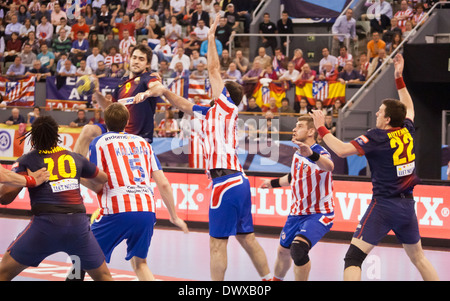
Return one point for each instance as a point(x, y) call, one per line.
point(403, 93)
point(12, 183)
point(280, 182)
point(156, 89)
point(340, 148)
point(213, 63)
point(166, 192)
point(324, 162)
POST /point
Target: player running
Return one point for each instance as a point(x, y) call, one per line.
point(389, 149)
point(59, 222)
point(312, 211)
point(230, 206)
point(133, 87)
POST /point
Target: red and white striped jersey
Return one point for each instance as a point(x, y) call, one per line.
point(219, 133)
point(408, 13)
point(129, 161)
point(312, 187)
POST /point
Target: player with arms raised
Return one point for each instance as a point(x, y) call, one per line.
point(389, 149)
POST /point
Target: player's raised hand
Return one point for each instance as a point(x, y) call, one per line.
point(265, 184)
point(155, 89)
point(318, 117)
point(212, 29)
point(303, 148)
point(399, 63)
point(180, 224)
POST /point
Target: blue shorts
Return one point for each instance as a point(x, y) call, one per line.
point(383, 215)
point(135, 227)
point(312, 227)
point(51, 233)
point(230, 210)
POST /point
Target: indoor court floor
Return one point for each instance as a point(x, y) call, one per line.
point(174, 255)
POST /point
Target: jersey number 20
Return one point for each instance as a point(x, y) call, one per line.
point(61, 171)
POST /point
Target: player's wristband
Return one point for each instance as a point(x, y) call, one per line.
point(314, 157)
point(400, 83)
point(323, 131)
point(275, 183)
point(31, 182)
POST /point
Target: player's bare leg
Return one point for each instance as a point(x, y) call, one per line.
point(353, 273)
point(141, 269)
point(282, 263)
point(10, 268)
point(256, 253)
point(218, 258)
point(426, 269)
point(101, 273)
point(88, 133)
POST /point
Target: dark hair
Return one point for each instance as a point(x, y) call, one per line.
point(145, 49)
point(236, 91)
point(395, 110)
point(116, 117)
point(44, 134)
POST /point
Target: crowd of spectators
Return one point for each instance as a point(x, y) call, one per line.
point(49, 37)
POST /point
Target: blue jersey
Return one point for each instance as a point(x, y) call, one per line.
point(391, 158)
point(141, 114)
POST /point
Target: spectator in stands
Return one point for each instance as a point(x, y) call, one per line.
point(242, 62)
point(113, 58)
point(328, 73)
point(298, 59)
point(168, 127)
point(35, 44)
point(327, 58)
point(110, 42)
point(83, 69)
point(383, 15)
point(125, 43)
point(363, 64)
point(32, 116)
point(25, 29)
point(46, 57)
point(285, 107)
point(408, 29)
point(268, 27)
point(262, 56)
point(329, 123)
point(199, 72)
point(97, 119)
point(102, 70)
point(33, 8)
point(57, 14)
point(178, 9)
point(250, 78)
point(284, 26)
point(396, 41)
point(13, 48)
point(420, 16)
point(391, 30)
point(279, 62)
point(43, 12)
point(39, 71)
point(374, 46)
point(303, 107)
point(12, 27)
point(179, 72)
point(335, 109)
point(404, 14)
point(28, 57)
point(204, 48)
point(114, 5)
point(68, 69)
point(233, 73)
point(94, 41)
point(307, 73)
point(217, 9)
point(349, 74)
point(173, 31)
point(61, 44)
point(93, 59)
point(343, 57)
point(268, 72)
point(139, 21)
point(223, 32)
point(199, 14)
point(291, 74)
point(252, 106)
point(80, 45)
point(232, 17)
point(80, 121)
point(201, 30)
point(272, 106)
point(164, 70)
point(163, 50)
point(125, 25)
point(103, 20)
point(180, 57)
point(80, 26)
point(319, 106)
point(154, 31)
point(344, 25)
point(15, 117)
point(63, 24)
point(225, 60)
point(17, 68)
point(23, 13)
point(116, 71)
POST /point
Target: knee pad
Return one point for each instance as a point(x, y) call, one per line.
point(299, 252)
point(354, 257)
